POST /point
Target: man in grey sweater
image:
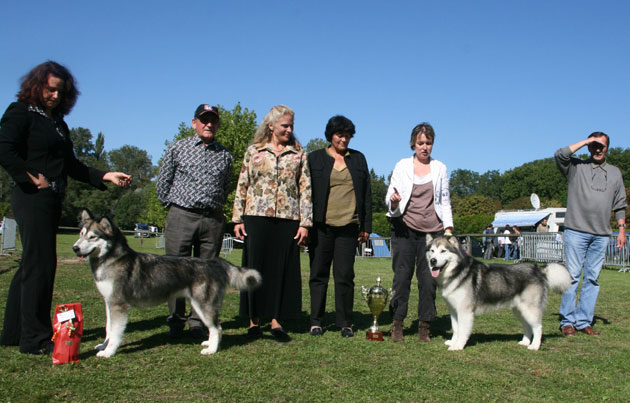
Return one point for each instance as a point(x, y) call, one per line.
point(595, 188)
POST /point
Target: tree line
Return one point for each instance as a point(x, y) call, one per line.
point(475, 197)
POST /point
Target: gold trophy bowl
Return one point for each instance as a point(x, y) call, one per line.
point(376, 297)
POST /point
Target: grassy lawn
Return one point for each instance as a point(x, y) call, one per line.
point(148, 366)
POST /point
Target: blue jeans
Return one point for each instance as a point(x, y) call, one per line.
point(588, 251)
point(507, 248)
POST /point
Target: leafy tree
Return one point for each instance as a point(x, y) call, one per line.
point(316, 144)
point(476, 204)
point(380, 224)
point(379, 191)
point(129, 208)
point(463, 182)
point(541, 177)
point(154, 212)
point(471, 224)
point(490, 184)
point(135, 162)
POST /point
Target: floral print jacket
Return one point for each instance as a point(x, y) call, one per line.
point(274, 186)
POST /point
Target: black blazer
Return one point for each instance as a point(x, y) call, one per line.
point(321, 165)
point(29, 142)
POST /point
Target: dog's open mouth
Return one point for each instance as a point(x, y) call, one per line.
point(435, 271)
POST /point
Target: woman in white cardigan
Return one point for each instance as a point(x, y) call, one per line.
point(418, 203)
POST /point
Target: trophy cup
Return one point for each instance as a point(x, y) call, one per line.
point(376, 298)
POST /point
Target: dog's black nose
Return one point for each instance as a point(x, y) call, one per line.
point(433, 261)
point(76, 249)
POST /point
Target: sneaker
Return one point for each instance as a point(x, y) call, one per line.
point(316, 331)
point(347, 332)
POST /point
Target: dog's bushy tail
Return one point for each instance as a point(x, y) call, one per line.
point(558, 277)
point(244, 279)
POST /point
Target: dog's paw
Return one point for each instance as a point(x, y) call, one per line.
point(105, 353)
point(455, 348)
point(524, 342)
point(208, 351)
point(102, 346)
point(533, 347)
point(448, 342)
point(206, 343)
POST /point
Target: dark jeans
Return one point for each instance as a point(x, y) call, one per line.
point(27, 320)
point(187, 234)
point(336, 245)
point(409, 253)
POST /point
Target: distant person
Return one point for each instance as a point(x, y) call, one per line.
point(273, 214)
point(516, 239)
point(488, 243)
point(595, 188)
point(342, 219)
point(543, 226)
point(194, 182)
point(37, 152)
point(419, 203)
point(506, 243)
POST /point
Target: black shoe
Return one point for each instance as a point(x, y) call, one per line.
point(46, 349)
point(254, 332)
point(316, 331)
point(280, 334)
point(347, 332)
point(175, 332)
point(199, 332)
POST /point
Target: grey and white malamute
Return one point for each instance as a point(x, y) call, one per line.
point(127, 278)
point(472, 287)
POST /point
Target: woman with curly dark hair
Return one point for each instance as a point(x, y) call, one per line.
point(342, 218)
point(36, 151)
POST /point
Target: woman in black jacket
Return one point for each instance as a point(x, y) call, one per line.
point(36, 151)
point(342, 218)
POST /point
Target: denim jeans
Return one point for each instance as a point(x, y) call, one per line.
point(588, 251)
point(507, 248)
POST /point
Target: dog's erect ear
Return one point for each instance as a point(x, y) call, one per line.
point(84, 217)
point(453, 240)
point(429, 238)
point(107, 226)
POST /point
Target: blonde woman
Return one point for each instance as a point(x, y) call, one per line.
point(272, 214)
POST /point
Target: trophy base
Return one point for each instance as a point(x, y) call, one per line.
point(374, 336)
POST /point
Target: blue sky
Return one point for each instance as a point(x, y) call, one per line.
point(502, 82)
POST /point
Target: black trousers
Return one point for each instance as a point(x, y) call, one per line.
point(409, 253)
point(27, 320)
point(191, 234)
point(336, 245)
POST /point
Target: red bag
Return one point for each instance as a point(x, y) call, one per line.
point(67, 332)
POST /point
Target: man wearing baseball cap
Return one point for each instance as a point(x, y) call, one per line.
point(193, 184)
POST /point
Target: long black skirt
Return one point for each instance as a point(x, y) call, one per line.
point(271, 249)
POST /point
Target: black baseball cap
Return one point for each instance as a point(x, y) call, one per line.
point(205, 108)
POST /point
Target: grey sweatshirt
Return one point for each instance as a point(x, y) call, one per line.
point(594, 191)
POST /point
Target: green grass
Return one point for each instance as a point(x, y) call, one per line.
point(493, 367)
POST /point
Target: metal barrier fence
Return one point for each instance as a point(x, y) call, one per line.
point(536, 246)
point(549, 247)
point(542, 246)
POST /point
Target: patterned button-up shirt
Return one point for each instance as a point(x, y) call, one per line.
point(274, 186)
point(194, 175)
